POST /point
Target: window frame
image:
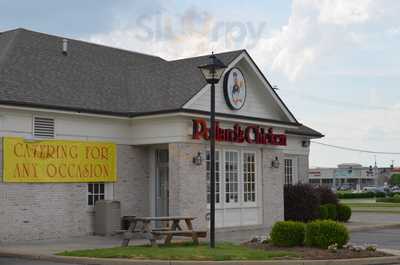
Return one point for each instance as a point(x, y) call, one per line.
point(258, 190)
point(239, 186)
point(250, 203)
point(286, 174)
point(108, 192)
point(218, 154)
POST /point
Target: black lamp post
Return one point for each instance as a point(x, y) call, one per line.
point(212, 72)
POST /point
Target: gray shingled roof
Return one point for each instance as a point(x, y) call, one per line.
point(94, 78)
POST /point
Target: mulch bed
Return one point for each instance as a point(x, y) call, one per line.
point(310, 253)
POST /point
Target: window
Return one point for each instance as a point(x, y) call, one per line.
point(249, 177)
point(288, 171)
point(231, 177)
point(43, 127)
point(96, 191)
point(217, 180)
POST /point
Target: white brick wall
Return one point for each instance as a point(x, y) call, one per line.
point(273, 180)
point(188, 186)
point(47, 211)
point(132, 188)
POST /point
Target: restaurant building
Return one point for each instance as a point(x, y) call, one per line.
point(81, 122)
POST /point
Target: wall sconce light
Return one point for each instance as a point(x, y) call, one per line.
point(275, 163)
point(198, 159)
point(305, 143)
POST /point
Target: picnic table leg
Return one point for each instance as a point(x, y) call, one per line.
point(146, 230)
point(128, 235)
point(175, 226)
point(194, 235)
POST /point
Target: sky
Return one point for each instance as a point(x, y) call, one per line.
point(336, 62)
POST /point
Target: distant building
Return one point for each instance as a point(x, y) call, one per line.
point(349, 175)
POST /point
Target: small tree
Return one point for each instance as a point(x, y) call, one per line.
point(326, 195)
point(395, 179)
point(301, 202)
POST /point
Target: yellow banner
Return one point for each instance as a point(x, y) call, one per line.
point(58, 161)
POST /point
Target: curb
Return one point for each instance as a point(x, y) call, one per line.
point(111, 261)
point(373, 227)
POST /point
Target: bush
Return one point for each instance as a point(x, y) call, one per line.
point(325, 233)
point(332, 212)
point(395, 179)
point(288, 233)
point(362, 195)
point(343, 213)
point(301, 203)
point(326, 195)
point(380, 194)
point(391, 194)
point(394, 199)
point(323, 212)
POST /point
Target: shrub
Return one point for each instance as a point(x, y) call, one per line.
point(343, 212)
point(395, 179)
point(394, 199)
point(380, 194)
point(332, 212)
point(323, 212)
point(288, 233)
point(301, 203)
point(362, 195)
point(391, 194)
point(323, 233)
point(326, 195)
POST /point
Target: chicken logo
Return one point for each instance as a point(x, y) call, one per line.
point(234, 89)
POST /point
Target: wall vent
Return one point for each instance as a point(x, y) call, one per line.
point(43, 127)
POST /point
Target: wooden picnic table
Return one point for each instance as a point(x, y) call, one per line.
point(172, 228)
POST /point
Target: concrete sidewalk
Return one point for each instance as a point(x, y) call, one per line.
point(45, 250)
point(49, 247)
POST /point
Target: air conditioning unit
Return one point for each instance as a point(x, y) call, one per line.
point(107, 217)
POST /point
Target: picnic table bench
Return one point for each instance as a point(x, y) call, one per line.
point(169, 231)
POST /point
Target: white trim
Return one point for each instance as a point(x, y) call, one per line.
point(72, 112)
point(251, 203)
point(237, 204)
point(270, 90)
point(240, 120)
point(198, 95)
point(245, 56)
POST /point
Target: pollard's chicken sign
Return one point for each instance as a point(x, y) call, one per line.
point(58, 161)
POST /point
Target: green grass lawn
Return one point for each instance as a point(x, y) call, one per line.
point(370, 205)
point(183, 251)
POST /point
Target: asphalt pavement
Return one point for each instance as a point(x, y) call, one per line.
point(15, 261)
point(384, 238)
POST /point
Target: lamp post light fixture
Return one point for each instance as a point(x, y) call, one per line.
point(212, 72)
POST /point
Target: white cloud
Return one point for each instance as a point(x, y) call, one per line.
point(315, 29)
point(170, 37)
point(344, 12)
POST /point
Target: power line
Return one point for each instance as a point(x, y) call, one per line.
point(339, 103)
point(355, 149)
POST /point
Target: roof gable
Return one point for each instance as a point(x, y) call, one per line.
point(93, 78)
point(261, 99)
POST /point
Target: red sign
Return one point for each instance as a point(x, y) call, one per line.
point(252, 134)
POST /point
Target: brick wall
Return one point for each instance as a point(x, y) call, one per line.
point(132, 188)
point(273, 179)
point(47, 211)
point(187, 195)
